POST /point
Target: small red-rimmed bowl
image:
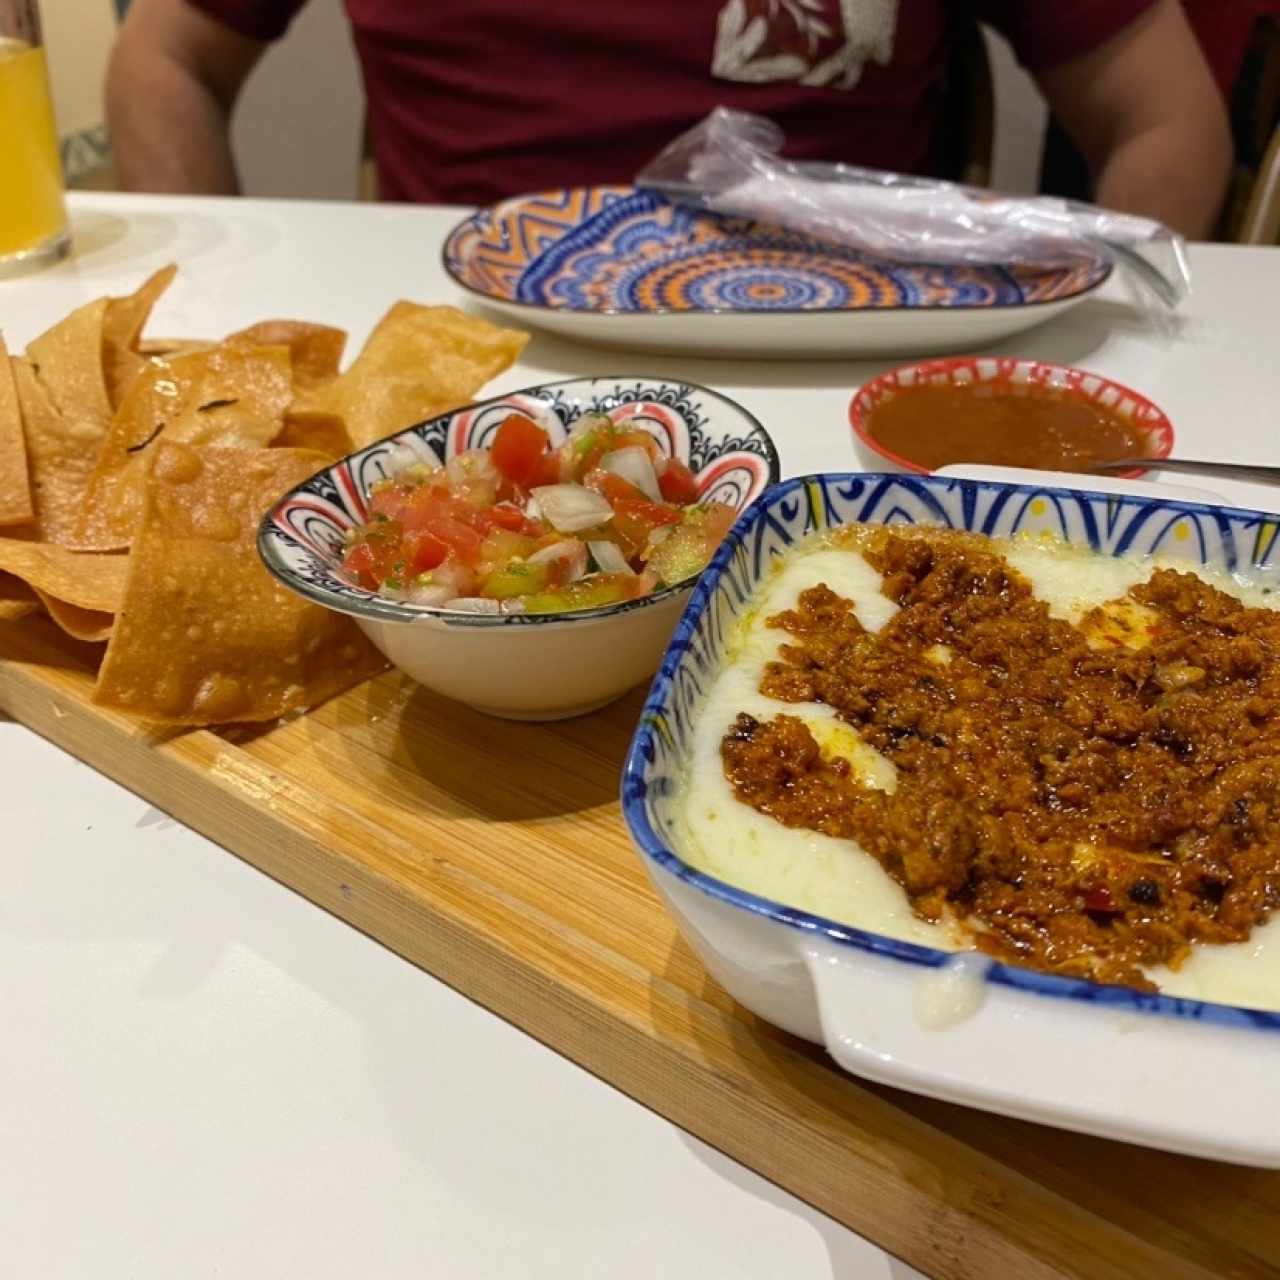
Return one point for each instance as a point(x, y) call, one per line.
point(1149, 418)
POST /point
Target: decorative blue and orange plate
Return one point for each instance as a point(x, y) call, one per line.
point(623, 267)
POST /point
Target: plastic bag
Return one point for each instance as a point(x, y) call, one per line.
point(730, 163)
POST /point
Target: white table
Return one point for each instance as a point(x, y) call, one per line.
point(203, 1075)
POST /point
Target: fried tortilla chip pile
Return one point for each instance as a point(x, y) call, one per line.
point(134, 473)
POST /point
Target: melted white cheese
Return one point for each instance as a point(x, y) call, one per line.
point(733, 842)
point(946, 997)
point(837, 878)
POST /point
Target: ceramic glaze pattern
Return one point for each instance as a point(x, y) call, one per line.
point(616, 249)
point(1224, 538)
point(301, 539)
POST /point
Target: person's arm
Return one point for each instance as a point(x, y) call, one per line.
point(1145, 112)
point(173, 79)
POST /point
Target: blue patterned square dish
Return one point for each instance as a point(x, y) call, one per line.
point(854, 991)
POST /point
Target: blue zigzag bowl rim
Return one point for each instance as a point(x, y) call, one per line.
point(373, 608)
point(449, 257)
point(634, 787)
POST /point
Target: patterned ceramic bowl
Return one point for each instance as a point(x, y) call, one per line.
point(1149, 418)
point(524, 666)
point(1058, 1050)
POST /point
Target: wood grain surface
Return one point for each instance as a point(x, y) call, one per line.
point(493, 855)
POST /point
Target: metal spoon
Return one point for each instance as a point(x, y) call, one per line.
point(1240, 470)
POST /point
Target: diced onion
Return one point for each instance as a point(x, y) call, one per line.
point(433, 595)
point(570, 508)
point(634, 465)
point(474, 604)
point(608, 555)
point(571, 550)
point(446, 582)
point(588, 423)
point(473, 471)
point(402, 458)
point(660, 534)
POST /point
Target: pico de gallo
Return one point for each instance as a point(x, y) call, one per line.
point(525, 527)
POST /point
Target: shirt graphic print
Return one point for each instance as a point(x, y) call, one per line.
point(824, 43)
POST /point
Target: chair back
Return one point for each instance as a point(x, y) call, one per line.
point(1253, 210)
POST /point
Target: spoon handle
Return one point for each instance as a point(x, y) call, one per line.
point(1240, 470)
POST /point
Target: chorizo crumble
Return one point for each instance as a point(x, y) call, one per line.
point(1085, 807)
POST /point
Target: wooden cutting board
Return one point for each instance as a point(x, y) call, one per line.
point(494, 856)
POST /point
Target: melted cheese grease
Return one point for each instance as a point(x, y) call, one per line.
point(837, 878)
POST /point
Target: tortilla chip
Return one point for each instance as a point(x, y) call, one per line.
point(16, 598)
point(151, 347)
point(206, 635)
point(15, 484)
point(122, 331)
point(315, 349)
point(80, 578)
point(69, 361)
point(324, 432)
point(83, 624)
point(60, 457)
point(418, 362)
point(231, 396)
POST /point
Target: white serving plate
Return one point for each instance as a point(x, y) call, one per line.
point(806, 336)
point(1100, 1059)
point(624, 268)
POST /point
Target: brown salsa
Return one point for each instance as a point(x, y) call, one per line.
point(1085, 807)
point(1046, 428)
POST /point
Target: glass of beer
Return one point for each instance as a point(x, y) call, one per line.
point(33, 220)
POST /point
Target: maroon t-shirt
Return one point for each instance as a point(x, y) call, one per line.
point(472, 100)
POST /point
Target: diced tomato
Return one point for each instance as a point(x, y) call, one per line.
point(644, 516)
point(654, 513)
point(461, 539)
point(612, 487)
point(519, 448)
point(427, 505)
point(358, 564)
point(390, 500)
point(421, 506)
point(508, 516)
point(423, 550)
point(479, 520)
point(640, 440)
point(678, 484)
point(370, 561)
point(465, 527)
point(550, 470)
point(633, 522)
